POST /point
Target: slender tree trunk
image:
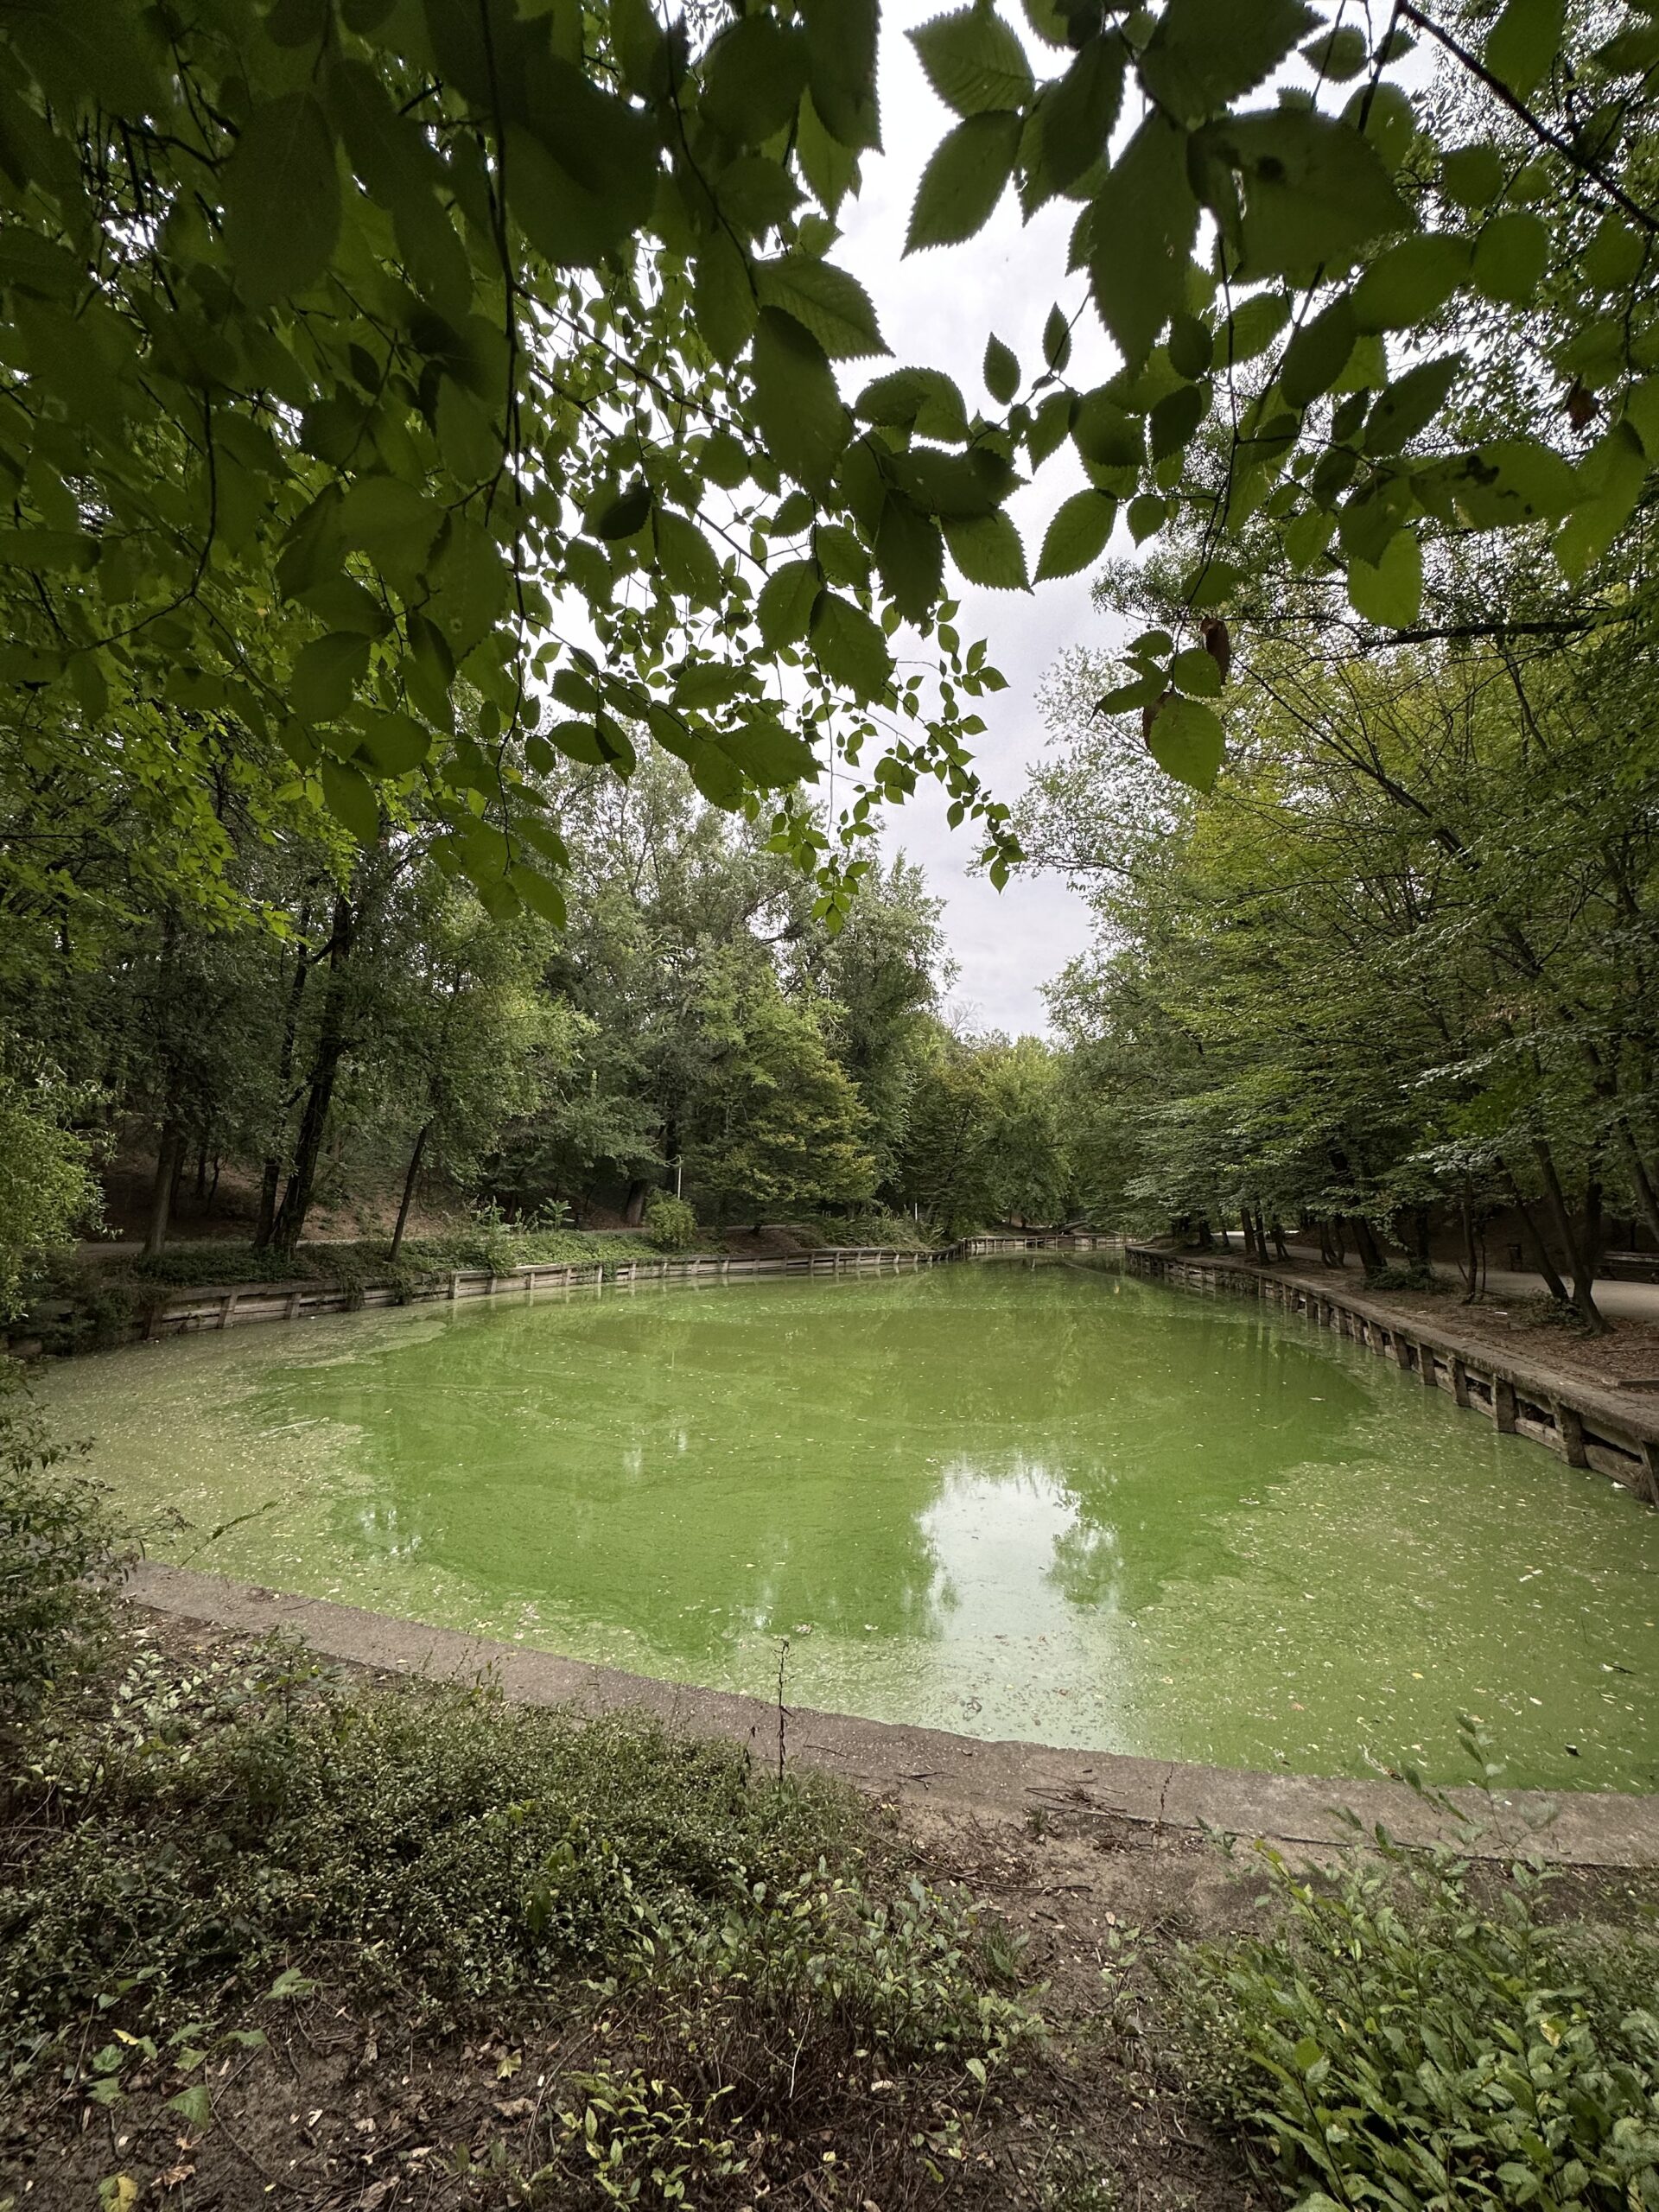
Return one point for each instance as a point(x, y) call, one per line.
point(1280, 1250)
point(633, 1212)
point(1647, 1197)
point(212, 1188)
point(201, 1169)
point(1370, 1252)
point(1467, 1268)
point(170, 1152)
point(408, 1188)
point(271, 1176)
point(1207, 1242)
point(1540, 1251)
point(289, 1224)
point(1248, 1228)
point(1577, 1249)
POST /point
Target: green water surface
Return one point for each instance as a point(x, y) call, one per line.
point(1016, 1499)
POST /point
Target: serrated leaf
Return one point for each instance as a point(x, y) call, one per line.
point(1252, 327)
point(1315, 191)
point(1104, 434)
point(1142, 223)
point(849, 647)
point(797, 407)
point(395, 743)
point(1075, 122)
point(1473, 176)
point(753, 75)
point(1197, 673)
point(1144, 691)
point(350, 798)
point(829, 168)
point(823, 300)
point(1411, 402)
point(966, 175)
point(841, 37)
point(784, 610)
point(193, 2106)
point(1077, 534)
point(1206, 53)
point(710, 683)
point(1613, 473)
point(716, 775)
point(769, 754)
point(1186, 740)
point(1409, 283)
point(281, 198)
point(723, 295)
point(1511, 480)
point(1391, 591)
point(1319, 352)
point(1212, 583)
point(1057, 342)
point(1522, 44)
point(1147, 513)
point(986, 550)
point(687, 559)
point(1510, 256)
point(974, 62)
point(910, 556)
point(326, 675)
point(541, 896)
point(1341, 52)
point(924, 400)
point(389, 521)
point(1001, 370)
point(1174, 421)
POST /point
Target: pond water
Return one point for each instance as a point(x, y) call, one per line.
point(1033, 1499)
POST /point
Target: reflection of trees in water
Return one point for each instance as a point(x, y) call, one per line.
point(701, 1465)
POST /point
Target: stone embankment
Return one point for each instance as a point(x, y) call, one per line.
point(1587, 1426)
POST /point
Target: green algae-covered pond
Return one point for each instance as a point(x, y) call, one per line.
point(1026, 1499)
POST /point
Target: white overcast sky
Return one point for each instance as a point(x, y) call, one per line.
point(935, 308)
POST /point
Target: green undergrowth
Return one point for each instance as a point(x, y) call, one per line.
point(1420, 2036)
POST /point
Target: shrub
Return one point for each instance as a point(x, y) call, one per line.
point(57, 1538)
point(670, 1223)
point(1405, 2044)
point(1410, 1275)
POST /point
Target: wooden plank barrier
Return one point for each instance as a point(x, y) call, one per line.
point(1586, 1426)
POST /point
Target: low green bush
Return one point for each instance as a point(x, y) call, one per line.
point(1409, 1276)
point(670, 1223)
point(58, 1542)
point(1408, 2039)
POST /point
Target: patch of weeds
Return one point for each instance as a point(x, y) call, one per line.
point(57, 1542)
point(1401, 2040)
point(644, 2137)
point(1412, 1276)
point(1075, 2181)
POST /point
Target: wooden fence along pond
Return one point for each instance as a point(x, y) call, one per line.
point(224, 1307)
point(1587, 1426)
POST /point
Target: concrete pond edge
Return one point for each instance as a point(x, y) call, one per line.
point(964, 1775)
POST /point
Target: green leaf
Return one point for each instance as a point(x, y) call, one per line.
point(389, 521)
point(1143, 221)
point(350, 798)
point(193, 2106)
point(1411, 402)
point(924, 400)
point(1510, 256)
point(1147, 513)
point(1411, 282)
point(710, 683)
point(1192, 346)
point(1391, 593)
point(784, 610)
point(1104, 434)
point(1001, 370)
point(1174, 421)
point(1211, 584)
point(281, 198)
point(716, 775)
point(1341, 54)
point(1613, 258)
point(840, 38)
point(829, 168)
point(1613, 473)
point(1306, 536)
point(825, 300)
point(687, 559)
point(1075, 122)
point(1187, 742)
point(850, 648)
point(974, 62)
point(326, 674)
point(723, 295)
point(1318, 354)
point(797, 407)
point(1522, 44)
point(1077, 534)
point(964, 179)
point(1642, 412)
point(1205, 54)
point(1144, 691)
point(1473, 176)
point(1314, 189)
point(753, 78)
point(1512, 480)
point(625, 516)
point(769, 754)
point(1252, 327)
point(987, 550)
point(395, 743)
point(541, 897)
point(910, 556)
point(1056, 343)
point(756, 194)
point(1197, 673)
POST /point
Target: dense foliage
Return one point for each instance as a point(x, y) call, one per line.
point(1411, 2035)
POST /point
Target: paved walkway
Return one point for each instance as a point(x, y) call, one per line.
point(1620, 1302)
point(989, 1780)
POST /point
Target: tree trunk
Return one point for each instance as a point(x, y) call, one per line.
point(289, 1224)
point(1365, 1243)
point(1647, 1198)
point(1468, 1268)
point(169, 1153)
point(201, 1169)
point(271, 1176)
point(1281, 1249)
point(1553, 1282)
point(1207, 1242)
point(1580, 1250)
point(633, 1212)
point(409, 1189)
point(1249, 1227)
